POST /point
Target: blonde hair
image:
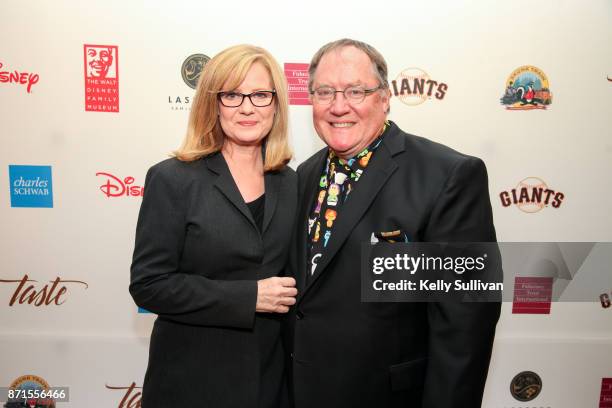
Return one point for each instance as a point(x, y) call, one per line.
point(230, 67)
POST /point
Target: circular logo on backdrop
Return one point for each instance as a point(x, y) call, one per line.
point(526, 386)
point(413, 86)
point(192, 68)
point(28, 384)
point(530, 184)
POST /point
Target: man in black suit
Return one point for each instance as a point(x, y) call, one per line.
point(372, 182)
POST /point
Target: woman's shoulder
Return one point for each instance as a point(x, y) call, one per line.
point(174, 167)
point(286, 172)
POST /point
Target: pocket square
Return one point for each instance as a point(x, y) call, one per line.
point(389, 236)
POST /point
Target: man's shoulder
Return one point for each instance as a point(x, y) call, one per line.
point(425, 152)
point(307, 165)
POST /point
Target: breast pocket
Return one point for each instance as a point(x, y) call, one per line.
point(391, 237)
point(408, 375)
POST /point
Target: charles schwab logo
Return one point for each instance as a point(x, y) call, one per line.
point(531, 195)
point(114, 186)
point(191, 69)
point(31, 186)
point(27, 79)
point(413, 86)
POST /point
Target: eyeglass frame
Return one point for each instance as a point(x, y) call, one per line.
point(221, 93)
point(366, 91)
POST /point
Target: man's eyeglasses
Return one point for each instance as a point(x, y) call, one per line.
point(354, 94)
point(234, 99)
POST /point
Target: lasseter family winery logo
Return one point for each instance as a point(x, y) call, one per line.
point(531, 195)
point(31, 186)
point(527, 88)
point(526, 386)
point(191, 69)
point(413, 86)
point(101, 78)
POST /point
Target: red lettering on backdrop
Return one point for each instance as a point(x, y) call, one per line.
point(115, 187)
point(128, 400)
point(42, 297)
point(19, 78)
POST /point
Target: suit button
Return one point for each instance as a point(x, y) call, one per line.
point(299, 315)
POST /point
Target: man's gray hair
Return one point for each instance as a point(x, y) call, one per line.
point(379, 64)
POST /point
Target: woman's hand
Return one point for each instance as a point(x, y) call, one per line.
point(275, 294)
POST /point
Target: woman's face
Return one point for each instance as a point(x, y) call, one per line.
point(248, 124)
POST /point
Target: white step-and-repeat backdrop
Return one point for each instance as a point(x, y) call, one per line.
point(94, 93)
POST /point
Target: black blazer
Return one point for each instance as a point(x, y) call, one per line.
point(197, 258)
point(347, 353)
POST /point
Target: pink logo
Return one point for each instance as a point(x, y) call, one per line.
point(16, 77)
point(605, 400)
point(101, 78)
point(297, 81)
point(116, 187)
point(532, 295)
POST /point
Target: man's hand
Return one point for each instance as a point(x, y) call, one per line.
point(275, 294)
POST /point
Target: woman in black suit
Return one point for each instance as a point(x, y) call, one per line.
point(212, 241)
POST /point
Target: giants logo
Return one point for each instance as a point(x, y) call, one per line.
point(531, 195)
point(101, 78)
point(115, 187)
point(413, 86)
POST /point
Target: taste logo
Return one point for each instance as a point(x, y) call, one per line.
point(43, 296)
point(116, 187)
point(101, 78)
point(413, 86)
point(16, 77)
point(131, 397)
point(531, 195)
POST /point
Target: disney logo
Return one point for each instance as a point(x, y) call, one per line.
point(20, 78)
point(115, 187)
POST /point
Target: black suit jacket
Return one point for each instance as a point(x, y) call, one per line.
point(347, 353)
point(197, 259)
